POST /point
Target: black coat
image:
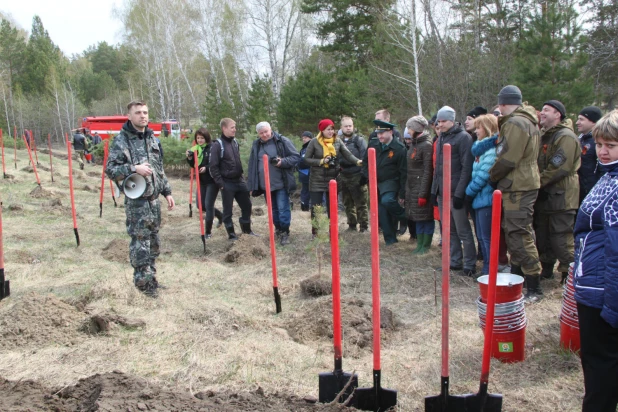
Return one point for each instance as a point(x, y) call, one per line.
point(589, 172)
point(461, 161)
point(205, 177)
point(289, 159)
point(391, 166)
point(229, 166)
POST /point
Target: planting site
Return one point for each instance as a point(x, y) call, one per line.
point(76, 335)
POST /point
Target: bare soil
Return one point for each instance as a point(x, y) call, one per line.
point(116, 251)
point(38, 320)
point(246, 250)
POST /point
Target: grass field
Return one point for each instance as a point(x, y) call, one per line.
point(213, 331)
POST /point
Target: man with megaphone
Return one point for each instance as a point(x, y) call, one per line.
point(135, 164)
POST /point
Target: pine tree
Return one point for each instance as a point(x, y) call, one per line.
point(551, 62)
point(261, 102)
point(41, 54)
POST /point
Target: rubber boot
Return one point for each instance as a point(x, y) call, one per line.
point(219, 217)
point(534, 292)
point(548, 270)
point(208, 229)
point(426, 244)
point(231, 235)
point(246, 229)
point(420, 242)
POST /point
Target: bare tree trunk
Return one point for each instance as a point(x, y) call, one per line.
point(415, 55)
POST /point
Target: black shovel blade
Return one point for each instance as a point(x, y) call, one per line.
point(377, 398)
point(331, 383)
point(483, 401)
point(445, 402)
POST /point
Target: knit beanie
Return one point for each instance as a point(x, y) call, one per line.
point(591, 113)
point(558, 106)
point(446, 114)
point(417, 123)
point(261, 125)
point(324, 123)
point(307, 134)
point(510, 95)
point(476, 112)
point(432, 121)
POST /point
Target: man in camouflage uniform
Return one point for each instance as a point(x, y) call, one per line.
point(558, 201)
point(353, 184)
point(135, 150)
point(516, 174)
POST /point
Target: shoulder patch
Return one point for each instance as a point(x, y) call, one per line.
point(558, 159)
point(501, 147)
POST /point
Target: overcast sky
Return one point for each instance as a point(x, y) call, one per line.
point(73, 25)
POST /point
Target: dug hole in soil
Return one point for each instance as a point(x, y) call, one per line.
point(314, 322)
point(116, 391)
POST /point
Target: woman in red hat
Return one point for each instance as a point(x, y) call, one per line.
point(323, 154)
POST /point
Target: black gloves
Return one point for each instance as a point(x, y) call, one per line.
point(434, 200)
point(494, 185)
point(468, 201)
point(363, 180)
point(458, 202)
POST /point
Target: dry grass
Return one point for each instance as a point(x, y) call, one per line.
point(214, 327)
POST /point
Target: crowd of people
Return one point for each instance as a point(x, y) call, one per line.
point(545, 171)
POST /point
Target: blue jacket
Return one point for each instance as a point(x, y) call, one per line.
point(479, 188)
point(596, 247)
point(289, 159)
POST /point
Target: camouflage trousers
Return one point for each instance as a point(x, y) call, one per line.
point(518, 210)
point(355, 200)
point(143, 222)
point(80, 156)
point(554, 237)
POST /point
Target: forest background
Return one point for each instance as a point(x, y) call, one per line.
point(293, 62)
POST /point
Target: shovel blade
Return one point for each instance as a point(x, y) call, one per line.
point(375, 399)
point(445, 403)
point(488, 402)
point(331, 383)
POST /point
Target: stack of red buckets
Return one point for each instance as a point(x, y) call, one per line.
point(509, 337)
point(569, 321)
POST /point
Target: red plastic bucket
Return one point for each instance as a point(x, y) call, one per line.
point(509, 347)
point(88, 156)
point(569, 336)
point(509, 287)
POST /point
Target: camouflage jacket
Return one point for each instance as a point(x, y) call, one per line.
point(559, 159)
point(131, 148)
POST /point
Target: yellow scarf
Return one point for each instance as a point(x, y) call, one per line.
point(328, 146)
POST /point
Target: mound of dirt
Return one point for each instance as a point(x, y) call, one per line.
point(316, 286)
point(116, 391)
point(314, 321)
point(16, 207)
point(9, 176)
point(247, 249)
point(39, 321)
point(56, 208)
point(22, 256)
point(41, 193)
point(88, 188)
point(94, 174)
point(117, 251)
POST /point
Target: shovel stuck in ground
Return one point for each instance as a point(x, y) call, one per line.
point(332, 384)
point(445, 402)
point(375, 398)
point(483, 401)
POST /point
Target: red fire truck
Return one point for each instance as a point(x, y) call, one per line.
point(108, 126)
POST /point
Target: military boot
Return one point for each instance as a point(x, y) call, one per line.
point(548, 270)
point(208, 229)
point(219, 217)
point(231, 235)
point(534, 293)
point(246, 229)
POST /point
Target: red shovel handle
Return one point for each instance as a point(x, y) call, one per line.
point(191, 188)
point(493, 279)
point(71, 189)
point(375, 256)
point(271, 225)
point(446, 251)
point(105, 155)
point(334, 249)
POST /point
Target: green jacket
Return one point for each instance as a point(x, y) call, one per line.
point(131, 148)
point(517, 147)
point(559, 159)
point(320, 176)
point(391, 166)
